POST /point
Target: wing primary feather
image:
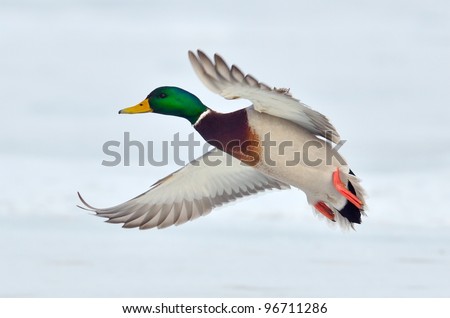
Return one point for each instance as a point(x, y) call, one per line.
point(199, 69)
point(151, 214)
point(222, 68)
point(207, 65)
point(166, 218)
point(237, 74)
point(176, 199)
point(233, 83)
point(250, 80)
point(152, 220)
point(265, 87)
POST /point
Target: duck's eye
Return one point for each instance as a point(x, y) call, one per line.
point(162, 95)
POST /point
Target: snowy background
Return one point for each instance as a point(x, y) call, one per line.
point(380, 70)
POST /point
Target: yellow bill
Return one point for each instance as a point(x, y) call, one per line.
point(142, 107)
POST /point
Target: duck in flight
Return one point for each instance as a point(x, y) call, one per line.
point(256, 149)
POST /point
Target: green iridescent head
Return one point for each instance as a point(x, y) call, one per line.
point(170, 100)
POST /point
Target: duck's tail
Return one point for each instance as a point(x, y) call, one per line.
point(355, 204)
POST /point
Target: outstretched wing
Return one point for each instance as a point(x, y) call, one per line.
point(231, 83)
point(192, 191)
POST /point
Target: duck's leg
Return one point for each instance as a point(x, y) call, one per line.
point(342, 189)
point(325, 210)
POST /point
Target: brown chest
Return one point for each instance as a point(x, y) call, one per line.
point(231, 133)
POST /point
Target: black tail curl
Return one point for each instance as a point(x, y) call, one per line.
point(349, 211)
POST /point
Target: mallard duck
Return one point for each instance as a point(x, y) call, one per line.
point(259, 148)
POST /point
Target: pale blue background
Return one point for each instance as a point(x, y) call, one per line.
point(380, 70)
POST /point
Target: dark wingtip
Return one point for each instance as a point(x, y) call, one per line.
point(87, 206)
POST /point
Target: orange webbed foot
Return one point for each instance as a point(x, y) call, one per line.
point(342, 189)
point(325, 210)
